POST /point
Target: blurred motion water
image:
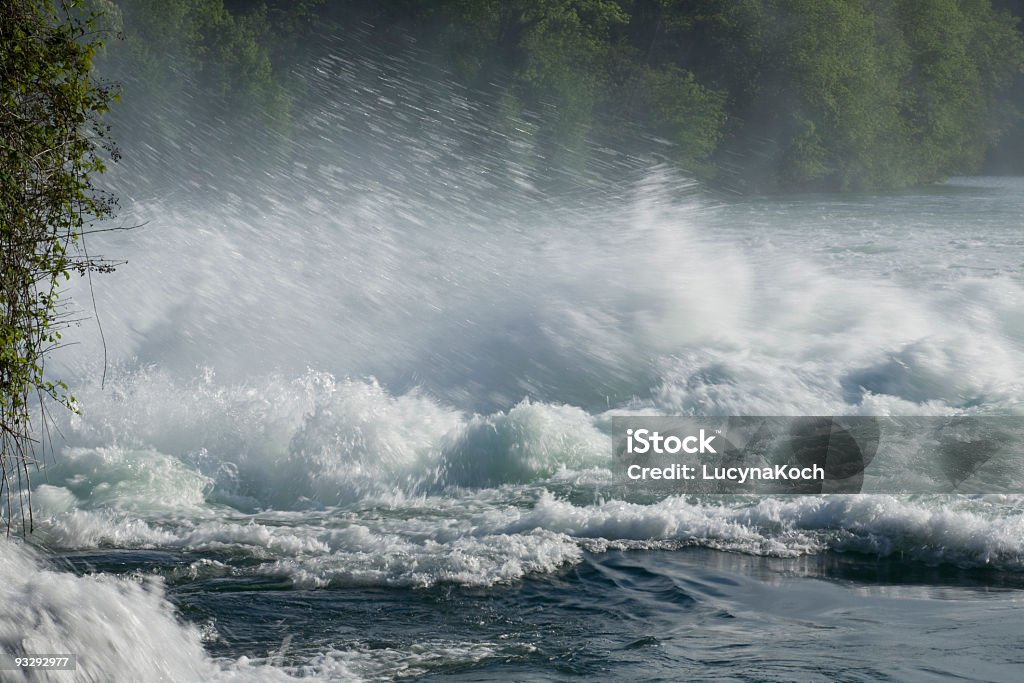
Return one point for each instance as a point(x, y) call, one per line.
point(356, 425)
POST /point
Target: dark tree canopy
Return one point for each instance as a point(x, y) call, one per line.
point(753, 94)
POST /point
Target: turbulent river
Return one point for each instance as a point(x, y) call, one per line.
point(367, 437)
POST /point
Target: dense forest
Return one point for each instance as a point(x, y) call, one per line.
point(759, 95)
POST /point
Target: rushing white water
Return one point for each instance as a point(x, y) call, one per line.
point(406, 385)
point(480, 452)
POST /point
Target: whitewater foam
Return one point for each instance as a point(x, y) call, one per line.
point(454, 427)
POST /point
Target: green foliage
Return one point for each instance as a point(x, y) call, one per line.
point(757, 94)
point(186, 61)
point(834, 93)
point(196, 49)
point(667, 102)
point(551, 56)
point(962, 60)
point(51, 144)
point(570, 71)
point(778, 94)
point(852, 94)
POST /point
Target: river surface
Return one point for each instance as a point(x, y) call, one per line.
point(366, 436)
